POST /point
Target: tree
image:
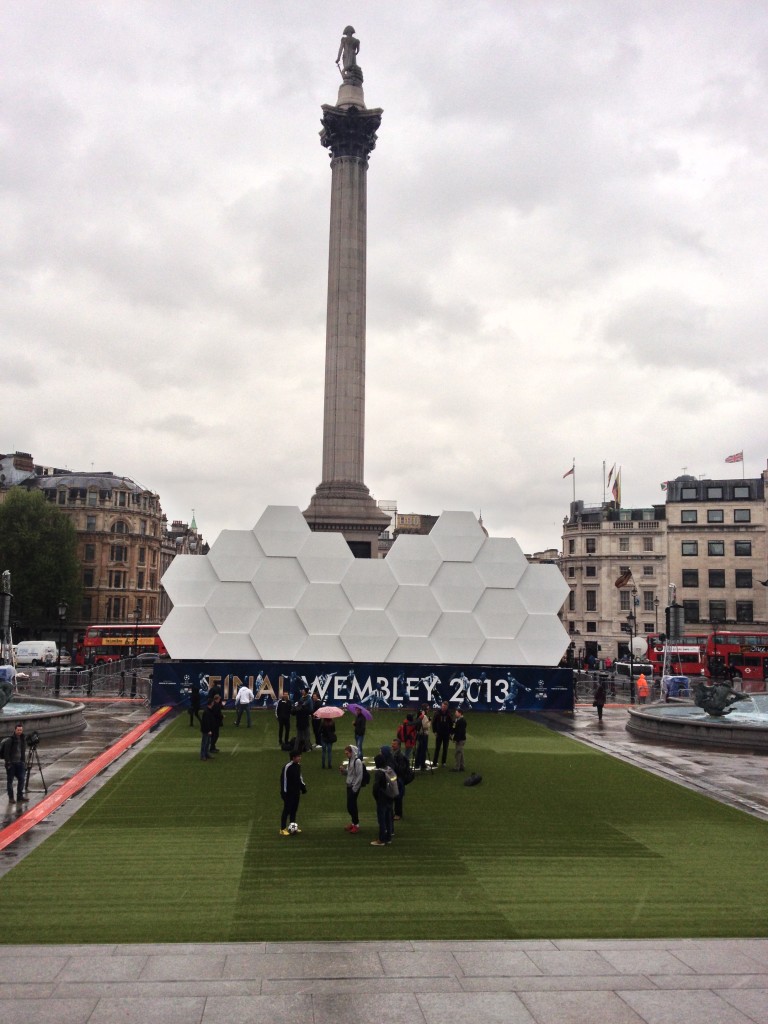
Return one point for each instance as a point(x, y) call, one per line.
point(38, 544)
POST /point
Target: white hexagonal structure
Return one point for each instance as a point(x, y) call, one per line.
point(235, 555)
point(458, 536)
point(500, 613)
point(189, 580)
point(544, 590)
point(413, 559)
point(282, 530)
point(282, 593)
point(369, 583)
point(280, 582)
point(189, 630)
point(233, 607)
point(457, 586)
point(325, 557)
point(278, 633)
point(457, 638)
point(500, 562)
point(323, 608)
point(368, 636)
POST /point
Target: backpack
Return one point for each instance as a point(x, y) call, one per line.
point(366, 777)
point(393, 790)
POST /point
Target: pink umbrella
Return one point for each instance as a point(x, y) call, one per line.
point(328, 712)
point(358, 709)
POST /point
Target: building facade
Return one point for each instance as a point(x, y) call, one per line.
point(717, 551)
point(603, 544)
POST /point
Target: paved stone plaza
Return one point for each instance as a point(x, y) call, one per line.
point(663, 981)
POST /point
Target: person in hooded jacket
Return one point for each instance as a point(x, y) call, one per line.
point(354, 772)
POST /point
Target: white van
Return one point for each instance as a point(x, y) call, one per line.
point(36, 652)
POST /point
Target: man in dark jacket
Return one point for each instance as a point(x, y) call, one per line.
point(291, 788)
point(442, 727)
point(218, 722)
point(283, 713)
point(459, 739)
point(302, 709)
point(384, 802)
point(15, 757)
point(207, 725)
point(402, 770)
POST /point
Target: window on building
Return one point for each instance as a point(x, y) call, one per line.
point(717, 577)
point(591, 545)
point(648, 600)
point(591, 600)
point(122, 499)
point(689, 515)
point(741, 491)
point(117, 579)
point(744, 579)
point(744, 611)
point(90, 524)
point(591, 627)
point(690, 577)
point(62, 497)
point(648, 627)
point(647, 543)
point(742, 515)
point(591, 570)
point(716, 547)
point(571, 626)
point(154, 558)
point(572, 601)
point(152, 581)
point(647, 570)
point(688, 494)
point(93, 497)
point(571, 546)
point(647, 514)
point(717, 611)
point(623, 543)
point(742, 547)
point(143, 527)
point(689, 547)
point(90, 553)
point(85, 609)
point(88, 577)
point(691, 611)
point(624, 604)
point(118, 553)
point(142, 556)
point(571, 571)
point(119, 527)
point(140, 580)
point(714, 493)
point(714, 515)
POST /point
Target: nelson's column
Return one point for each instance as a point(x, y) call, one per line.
point(342, 503)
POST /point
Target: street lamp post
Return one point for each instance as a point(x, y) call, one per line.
point(137, 616)
point(656, 603)
point(62, 617)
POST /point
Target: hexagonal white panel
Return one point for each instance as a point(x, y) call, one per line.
point(278, 633)
point(324, 608)
point(500, 652)
point(236, 555)
point(368, 636)
point(325, 557)
point(457, 638)
point(413, 611)
point(189, 580)
point(500, 562)
point(282, 530)
point(233, 607)
point(417, 650)
point(233, 647)
point(542, 640)
point(322, 648)
point(188, 630)
point(543, 589)
point(500, 613)
point(457, 586)
point(458, 536)
point(280, 582)
point(413, 559)
point(368, 583)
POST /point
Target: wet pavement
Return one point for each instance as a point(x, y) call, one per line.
point(654, 981)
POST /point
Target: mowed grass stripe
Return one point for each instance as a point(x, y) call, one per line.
point(558, 841)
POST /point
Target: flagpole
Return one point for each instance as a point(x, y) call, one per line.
point(574, 478)
point(603, 481)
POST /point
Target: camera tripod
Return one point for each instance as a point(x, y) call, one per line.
point(33, 758)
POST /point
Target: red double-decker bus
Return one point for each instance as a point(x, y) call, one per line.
point(738, 656)
point(115, 642)
point(686, 654)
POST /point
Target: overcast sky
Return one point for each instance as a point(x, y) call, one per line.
point(567, 248)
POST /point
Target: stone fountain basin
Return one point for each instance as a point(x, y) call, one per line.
point(47, 716)
point(744, 729)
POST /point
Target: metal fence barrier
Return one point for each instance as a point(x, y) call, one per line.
point(116, 679)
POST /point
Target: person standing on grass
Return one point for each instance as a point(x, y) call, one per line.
point(406, 733)
point(354, 771)
point(442, 727)
point(194, 700)
point(459, 739)
point(423, 724)
point(291, 787)
point(360, 724)
point(384, 802)
point(599, 700)
point(243, 700)
point(218, 722)
point(302, 710)
point(283, 715)
point(327, 739)
point(207, 723)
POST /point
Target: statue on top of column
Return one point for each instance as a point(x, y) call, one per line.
point(346, 59)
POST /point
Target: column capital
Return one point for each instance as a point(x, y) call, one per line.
point(349, 132)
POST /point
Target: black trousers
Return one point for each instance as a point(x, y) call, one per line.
point(290, 809)
point(283, 730)
point(441, 742)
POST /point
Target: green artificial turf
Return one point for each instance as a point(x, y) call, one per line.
point(558, 841)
